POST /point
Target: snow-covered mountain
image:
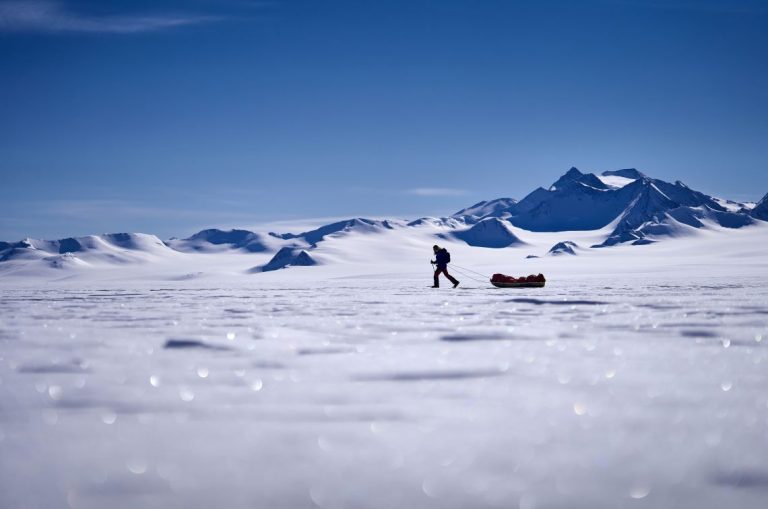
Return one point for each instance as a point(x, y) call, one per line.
point(210, 240)
point(489, 232)
point(358, 225)
point(113, 248)
point(616, 207)
point(761, 209)
point(287, 257)
point(640, 209)
point(495, 208)
point(565, 247)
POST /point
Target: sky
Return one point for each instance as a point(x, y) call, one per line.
point(168, 117)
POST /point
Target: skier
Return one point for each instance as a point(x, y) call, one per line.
point(442, 258)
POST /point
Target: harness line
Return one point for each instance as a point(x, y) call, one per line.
point(465, 274)
point(469, 270)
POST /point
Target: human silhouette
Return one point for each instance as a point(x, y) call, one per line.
point(442, 259)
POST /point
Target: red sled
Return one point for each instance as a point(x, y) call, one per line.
point(504, 281)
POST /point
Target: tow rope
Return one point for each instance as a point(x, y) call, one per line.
point(465, 273)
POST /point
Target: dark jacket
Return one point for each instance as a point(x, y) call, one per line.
point(441, 258)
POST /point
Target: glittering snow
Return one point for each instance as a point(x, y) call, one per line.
point(631, 391)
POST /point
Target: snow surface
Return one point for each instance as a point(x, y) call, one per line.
point(495, 207)
point(635, 378)
point(615, 182)
point(491, 232)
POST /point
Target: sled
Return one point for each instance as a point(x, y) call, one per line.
point(532, 281)
point(522, 284)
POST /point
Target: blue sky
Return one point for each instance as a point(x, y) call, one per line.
point(170, 116)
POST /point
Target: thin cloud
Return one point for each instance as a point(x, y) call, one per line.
point(51, 16)
point(435, 191)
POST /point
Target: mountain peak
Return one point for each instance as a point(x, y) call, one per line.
point(566, 247)
point(569, 176)
point(575, 176)
point(286, 257)
point(761, 209)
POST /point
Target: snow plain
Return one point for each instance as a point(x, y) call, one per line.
point(636, 378)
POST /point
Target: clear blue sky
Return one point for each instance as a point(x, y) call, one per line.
point(170, 116)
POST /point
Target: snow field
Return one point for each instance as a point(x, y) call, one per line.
point(369, 392)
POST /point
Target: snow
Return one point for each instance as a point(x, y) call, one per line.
point(495, 207)
point(340, 229)
point(491, 232)
point(732, 206)
point(635, 378)
point(214, 240)
point(615, 182)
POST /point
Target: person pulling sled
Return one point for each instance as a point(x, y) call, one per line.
point(442, 259)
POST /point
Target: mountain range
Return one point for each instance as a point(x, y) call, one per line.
point(623, 207)
point(639, 209)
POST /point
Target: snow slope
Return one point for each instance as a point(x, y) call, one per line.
point(359, 225)
point(214, 240)
point(490, 232)
point(495, 208)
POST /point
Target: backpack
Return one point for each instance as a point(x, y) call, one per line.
point(447, 256)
